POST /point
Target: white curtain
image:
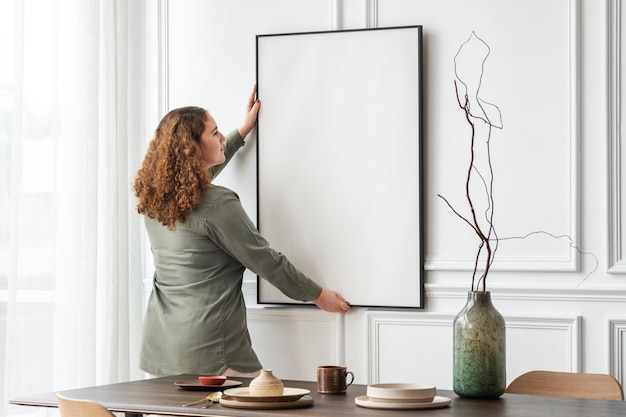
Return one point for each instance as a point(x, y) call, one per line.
point(71, 140)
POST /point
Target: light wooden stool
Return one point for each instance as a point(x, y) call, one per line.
point(567, 384)
point(81, 408)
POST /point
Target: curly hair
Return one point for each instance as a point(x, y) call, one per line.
point(173, 175)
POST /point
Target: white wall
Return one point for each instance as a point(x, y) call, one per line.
point(554, 73)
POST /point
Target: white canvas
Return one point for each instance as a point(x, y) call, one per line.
point(339, 161)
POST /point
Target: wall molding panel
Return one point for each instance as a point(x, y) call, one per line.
point(316, 336)
point(510, 293)
point(163, 57)
point(561, 256)
point(575, 135)
point(550, 342)
point(533, 342)
point(335, 14)
point(371, 14)
point(392, 335)
point(616, 157)
point(617, 348)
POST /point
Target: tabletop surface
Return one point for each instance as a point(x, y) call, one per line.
point(162, 396)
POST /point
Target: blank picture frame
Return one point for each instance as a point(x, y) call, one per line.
point(339, 161)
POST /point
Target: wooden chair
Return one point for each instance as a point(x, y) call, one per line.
point(567, 384)
point(81, 408)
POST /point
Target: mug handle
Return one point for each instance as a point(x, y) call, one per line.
point(351, 379)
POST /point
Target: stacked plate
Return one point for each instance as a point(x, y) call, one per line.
point(291, 398)
point(402, 396)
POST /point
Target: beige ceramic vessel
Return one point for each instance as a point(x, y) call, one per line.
point(266, 385)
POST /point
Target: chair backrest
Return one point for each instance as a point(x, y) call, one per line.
point(567, 384)
point(81, 408)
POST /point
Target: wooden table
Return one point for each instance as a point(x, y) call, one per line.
point(161, 396)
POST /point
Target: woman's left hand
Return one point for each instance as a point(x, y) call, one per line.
point(332, 301)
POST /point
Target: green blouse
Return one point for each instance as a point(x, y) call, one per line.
point(195, 320)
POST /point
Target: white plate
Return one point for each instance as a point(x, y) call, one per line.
point(305, 401)
point(367, 402)
point(289, 394)
point(405, 393)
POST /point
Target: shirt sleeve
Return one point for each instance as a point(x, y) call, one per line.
point(229, 227)
point(233, 143)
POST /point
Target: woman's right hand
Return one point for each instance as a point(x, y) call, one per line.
point(332, 301)
point(252, 110)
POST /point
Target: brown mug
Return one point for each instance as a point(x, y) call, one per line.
point(333, 379)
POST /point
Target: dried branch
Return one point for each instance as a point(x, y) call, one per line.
point(471, 80)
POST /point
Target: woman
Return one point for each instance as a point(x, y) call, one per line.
point(202, 241)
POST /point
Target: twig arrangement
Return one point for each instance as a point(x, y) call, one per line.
point(469, 78)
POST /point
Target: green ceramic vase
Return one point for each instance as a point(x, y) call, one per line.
point(479, 347)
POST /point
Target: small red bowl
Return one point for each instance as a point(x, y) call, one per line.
point(212, 380)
